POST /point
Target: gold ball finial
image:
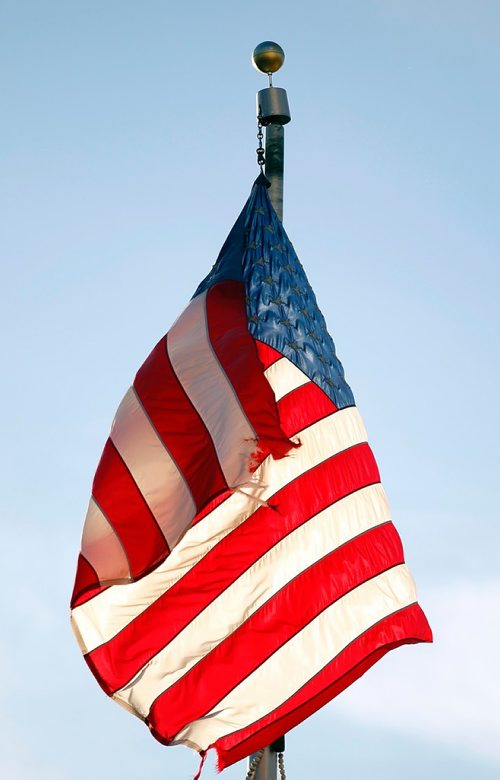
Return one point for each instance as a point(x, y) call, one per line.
point(268, 57)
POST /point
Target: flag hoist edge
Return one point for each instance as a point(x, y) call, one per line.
point(239, 566)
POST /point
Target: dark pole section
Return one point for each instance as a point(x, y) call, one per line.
point(275, 156)
point(278, 746)
point(273, 112)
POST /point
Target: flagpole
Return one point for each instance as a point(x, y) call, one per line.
point(273, 113)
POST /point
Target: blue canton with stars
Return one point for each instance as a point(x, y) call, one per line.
point(281, 306)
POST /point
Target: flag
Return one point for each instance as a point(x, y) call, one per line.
point(239, 566)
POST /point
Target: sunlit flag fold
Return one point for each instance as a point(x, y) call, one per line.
point(239, 566)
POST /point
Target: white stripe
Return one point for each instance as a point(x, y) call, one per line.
point(109, 612)
point(284, 376)
point(303, 656)
point(209, 390)
point(302, 548)
point(102, 548)
point(153, 469)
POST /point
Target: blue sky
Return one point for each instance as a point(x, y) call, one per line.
point(128, 149)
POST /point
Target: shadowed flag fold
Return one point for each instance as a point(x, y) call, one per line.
point(239, 567)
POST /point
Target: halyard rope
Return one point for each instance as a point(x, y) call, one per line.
point(254, 765)
point(281, 764)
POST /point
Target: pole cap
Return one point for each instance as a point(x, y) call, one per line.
point(268, 57)
point(272, 106)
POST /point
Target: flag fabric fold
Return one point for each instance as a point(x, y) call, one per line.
point(239, 566)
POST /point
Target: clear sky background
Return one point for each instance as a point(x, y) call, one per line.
point(128, 148)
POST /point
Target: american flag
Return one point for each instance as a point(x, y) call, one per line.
point(239, 567)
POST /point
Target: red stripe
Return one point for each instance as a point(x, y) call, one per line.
point(127, 512)
point(407, 626)
point(237, 353)
point(117, 661)
point(303, 407)
point(273, 625)
point(267, 355)
point(81, 596)
point(86, 582)
point(179, 426)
